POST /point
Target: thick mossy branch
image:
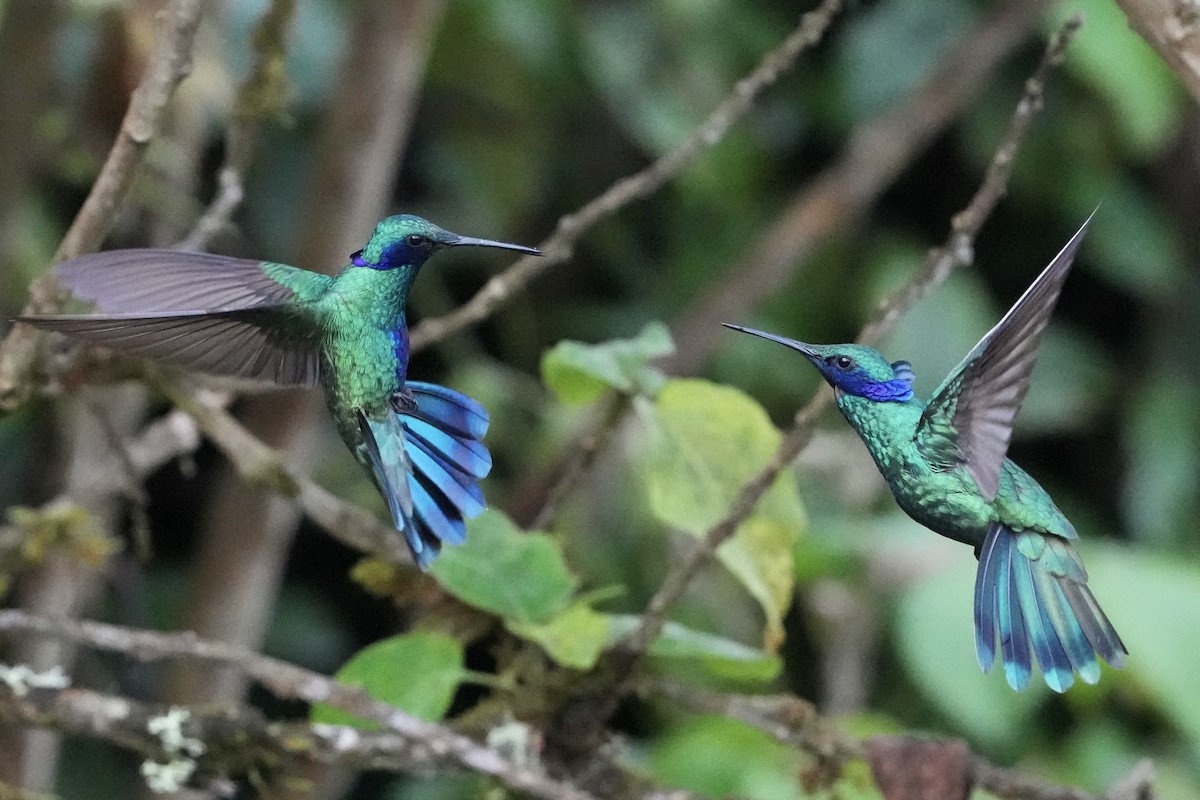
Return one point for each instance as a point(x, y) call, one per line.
point(414, 741)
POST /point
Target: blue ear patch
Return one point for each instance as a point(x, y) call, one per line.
point(896, 390)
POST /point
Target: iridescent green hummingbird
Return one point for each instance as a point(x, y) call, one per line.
point(946, 464)
point(419, 442)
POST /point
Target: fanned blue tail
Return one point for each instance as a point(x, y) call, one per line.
point(1032, 588)
point(427, 458)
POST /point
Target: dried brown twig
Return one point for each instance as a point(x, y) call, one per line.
point(169, 64)
point(560, 245)
point(878, 151)
point(578, 458)
point(264, 466)
point(260, 98)
point(1172, 27)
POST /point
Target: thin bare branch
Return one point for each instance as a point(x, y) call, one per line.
point(261, 97)
point(578, 459)
point(260, 465)
point(169, 63)
point(797, 723)
point(561, 244)
point(787, 718)
point(877, 153)
point(430, 742)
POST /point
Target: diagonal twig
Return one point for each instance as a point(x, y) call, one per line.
point(560, 245)
point(261, 465)
point(169, 63)
point(261, 97)
point(1172, 27)
point(578, 458)
point(878, 152)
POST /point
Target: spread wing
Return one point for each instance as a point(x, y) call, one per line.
point(969, 421)
point(209, 313)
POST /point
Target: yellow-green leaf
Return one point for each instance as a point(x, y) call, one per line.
point(707, 441)
point(574, 638)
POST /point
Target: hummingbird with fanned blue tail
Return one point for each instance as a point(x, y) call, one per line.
point(947, 467)
point(420, 443)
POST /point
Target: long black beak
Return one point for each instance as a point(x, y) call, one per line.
point(471, 241)
point(783, 340)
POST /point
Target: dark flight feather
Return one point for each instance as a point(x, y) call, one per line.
point(977, 404)
point(204, 312)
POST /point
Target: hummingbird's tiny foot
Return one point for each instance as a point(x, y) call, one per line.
point(403, 402)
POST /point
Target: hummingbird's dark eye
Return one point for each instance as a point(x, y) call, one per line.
point(845, 362)
point(415, 240)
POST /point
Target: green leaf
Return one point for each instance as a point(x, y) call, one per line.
point(574, 638)
point(520, 576)
point(580, 373)
point(707, 442)
point(720, 657)
point(935, 634)
point(417, 673)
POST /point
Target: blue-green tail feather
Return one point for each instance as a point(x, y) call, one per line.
point(1014, 638)
point(1031, 588)
point(382, 451)
point(1056, 666)
point(985, 609)
point(449, 410)
point(427, 459)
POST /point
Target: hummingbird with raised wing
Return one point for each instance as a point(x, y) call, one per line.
point(946, 463)
point(419, 442)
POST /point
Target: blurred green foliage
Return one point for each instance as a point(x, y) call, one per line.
point(530, 109)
